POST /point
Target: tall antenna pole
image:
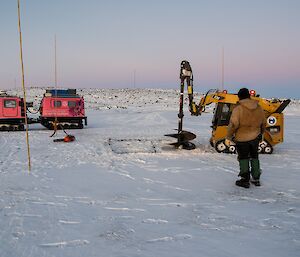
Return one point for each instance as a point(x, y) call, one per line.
point(55, 60)
point(23, 87)
point(55, 84)
point(222, 68)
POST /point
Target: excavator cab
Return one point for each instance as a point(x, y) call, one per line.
point(220, 122)
point(222, 114)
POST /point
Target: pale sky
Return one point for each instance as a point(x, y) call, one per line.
point(102, 44)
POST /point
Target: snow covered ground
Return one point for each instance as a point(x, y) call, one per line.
point(120, 190)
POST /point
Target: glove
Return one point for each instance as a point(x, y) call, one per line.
point(228, 142)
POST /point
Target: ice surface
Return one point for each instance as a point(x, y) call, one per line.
point(109, 194)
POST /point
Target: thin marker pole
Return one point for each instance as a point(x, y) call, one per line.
point(24, 90)
point(222, 68)
point(55, 83)
point(55, 60)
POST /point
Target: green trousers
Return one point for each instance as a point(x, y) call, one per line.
point(245, 168)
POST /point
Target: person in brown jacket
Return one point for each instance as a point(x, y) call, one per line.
point(246, 127)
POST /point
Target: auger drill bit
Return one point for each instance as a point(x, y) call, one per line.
point(183, 137)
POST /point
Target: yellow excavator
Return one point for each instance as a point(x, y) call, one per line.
point(224, 104)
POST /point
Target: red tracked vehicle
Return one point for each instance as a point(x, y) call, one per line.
point(12, 114)
point(63, 107)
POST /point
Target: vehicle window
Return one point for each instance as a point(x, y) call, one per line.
point(10, 103)
point(71, 104)
point(222, 114)
point(57, 103)
point(225, 112)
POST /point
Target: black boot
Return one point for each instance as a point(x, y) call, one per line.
point(243, 182)
point(255, 182)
